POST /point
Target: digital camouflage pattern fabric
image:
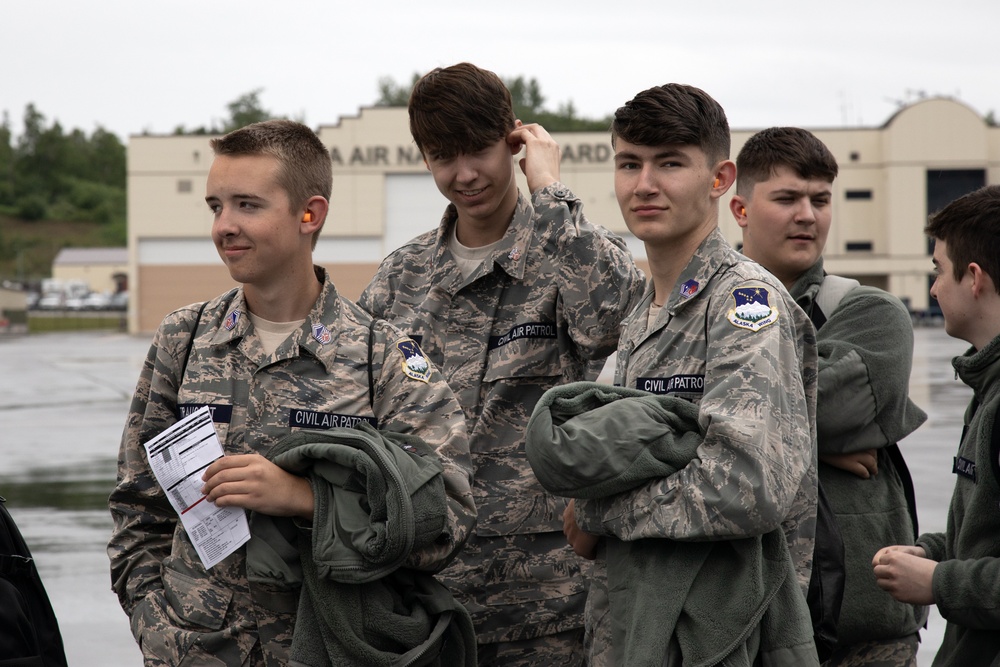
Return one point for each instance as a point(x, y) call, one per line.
point(543, 310)
point(182, 613)
point(730, 339)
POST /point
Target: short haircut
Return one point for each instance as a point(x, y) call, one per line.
point(792, 147)
point(459, 109)
point(306, 168)
point(970, 226)
point(674, 113)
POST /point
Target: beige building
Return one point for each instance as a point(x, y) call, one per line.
point(13, 311)
point(891, 178)
point(101, 269)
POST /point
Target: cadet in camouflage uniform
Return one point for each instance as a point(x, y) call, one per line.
point(509, 296)
point(718, 330)
point(865, 341)
point(281, 353)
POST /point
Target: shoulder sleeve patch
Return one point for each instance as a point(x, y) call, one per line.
point(752, 309)
point(415, 364)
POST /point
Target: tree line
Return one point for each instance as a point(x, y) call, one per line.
point(49, 173)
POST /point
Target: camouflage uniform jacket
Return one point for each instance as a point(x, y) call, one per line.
point(730, 339)
point(543, 310)
point(318, 378)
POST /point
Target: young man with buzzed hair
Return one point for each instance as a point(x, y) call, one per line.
point(281, 350)
point(715, 329)
point(959, 569)
point(512, 294)
point(783, 204)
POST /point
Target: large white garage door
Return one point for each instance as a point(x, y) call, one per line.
point(413, 205)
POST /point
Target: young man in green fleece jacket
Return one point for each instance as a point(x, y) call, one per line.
point(783, 204)
point(959, 570)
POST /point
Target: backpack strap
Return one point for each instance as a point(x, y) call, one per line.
point(187, 352)
point(832, 291)
point(371, 378)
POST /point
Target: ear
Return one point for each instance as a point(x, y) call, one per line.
point(723, 177)
point(981, 281)
point(738, 207)
point(427, 164)
point(317, 207)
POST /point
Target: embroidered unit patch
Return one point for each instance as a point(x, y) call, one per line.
point(231, 320)
point(514, 254)
point(322, 334)
point(689, 288)
point(752, 309)
point(415, 364)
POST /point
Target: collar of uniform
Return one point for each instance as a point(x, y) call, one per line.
point(806, 286)
point(512, 251)
point(980, 369)
point(324, 318)
point(517, 237)
point(711, 255)
point(324, 315)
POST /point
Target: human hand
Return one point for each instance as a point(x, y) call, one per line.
point(863, 464)
point(540, 163)
point(584, 544)
point(905, 573)
point(252, 482)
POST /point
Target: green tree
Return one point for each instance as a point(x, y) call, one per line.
point(526, 96)
point(244, 110)
point(392, 94)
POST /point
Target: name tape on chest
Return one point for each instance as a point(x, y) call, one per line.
point(526, 330)
point(323, 421)
point(675, 384)
point(221, 414)
point(964, 467)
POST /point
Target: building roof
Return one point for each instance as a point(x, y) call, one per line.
point(91, 256)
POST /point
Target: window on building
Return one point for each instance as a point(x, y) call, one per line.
point(183, 186)
point(858, 246)
point(858, 194)
point(946, 185)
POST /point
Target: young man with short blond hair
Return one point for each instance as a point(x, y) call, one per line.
point(280, 352)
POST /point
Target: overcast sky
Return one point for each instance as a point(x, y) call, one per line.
point(146, 66)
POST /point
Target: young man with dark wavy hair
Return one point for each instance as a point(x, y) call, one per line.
point(513, 293)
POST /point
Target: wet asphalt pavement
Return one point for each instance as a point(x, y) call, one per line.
point(63, 402)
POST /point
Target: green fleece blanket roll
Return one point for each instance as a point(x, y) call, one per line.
point(586, 440)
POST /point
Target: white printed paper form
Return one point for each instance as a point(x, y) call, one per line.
point(178, 457)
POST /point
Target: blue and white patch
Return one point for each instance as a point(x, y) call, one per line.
point(231, 320)
point(752, 309)
point(415, 364)
point(514, 254)
point(322, 334)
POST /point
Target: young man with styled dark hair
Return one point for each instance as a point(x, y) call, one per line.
point(783, 204)
point(512, 294)
point(959, 570)
point(714, 329)
point(280, 354)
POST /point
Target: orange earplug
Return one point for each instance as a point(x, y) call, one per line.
point(716, 183)
point(308, 217)
point(743, 210)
